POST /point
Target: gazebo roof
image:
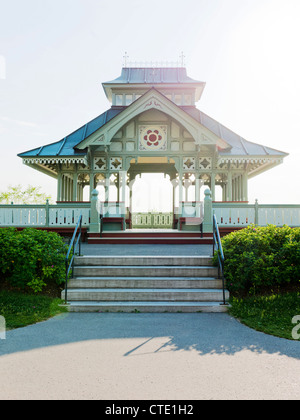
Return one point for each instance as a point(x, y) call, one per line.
point(157, 75)
point(67, 146)
point(154, 77)
point(238, 146)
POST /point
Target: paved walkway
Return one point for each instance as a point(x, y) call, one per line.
point(147, 356)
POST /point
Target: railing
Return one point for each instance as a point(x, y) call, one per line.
point(72, 248)
point(47, 215)
point(244, 214)
point(229, 215)
point(152, 220)
point(217, 244)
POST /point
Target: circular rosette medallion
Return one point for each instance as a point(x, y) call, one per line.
point(153, 139)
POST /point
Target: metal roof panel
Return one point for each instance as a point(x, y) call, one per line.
point(67, 146)
point(239, 145)
point(149, 75)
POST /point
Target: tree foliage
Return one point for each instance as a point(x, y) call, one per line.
point(23, 195)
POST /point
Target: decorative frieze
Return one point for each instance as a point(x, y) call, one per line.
point(115, 164)
point(189, 163)
point(55, 160)
point(99, 163)
point(205, 163)
point(249, 159)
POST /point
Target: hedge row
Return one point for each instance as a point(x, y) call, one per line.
point(31, 258)
point(260, 257)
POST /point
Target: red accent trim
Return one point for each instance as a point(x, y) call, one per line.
point(60, 230)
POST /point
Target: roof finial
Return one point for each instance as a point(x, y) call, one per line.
point(182, 57)
point(125, 59)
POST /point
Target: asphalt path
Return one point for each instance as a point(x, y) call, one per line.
point(104, 356)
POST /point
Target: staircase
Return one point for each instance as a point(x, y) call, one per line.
point(145, 284)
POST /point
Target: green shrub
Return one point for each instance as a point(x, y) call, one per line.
point(32, 258)
point(260, 257)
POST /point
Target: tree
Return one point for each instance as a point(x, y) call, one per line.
point(23, 195)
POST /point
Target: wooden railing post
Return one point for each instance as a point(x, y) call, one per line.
point(47, 214)
point(95, 216)
point(208, 212)
point(256, 212)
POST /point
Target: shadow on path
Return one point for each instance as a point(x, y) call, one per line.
point(203, 333)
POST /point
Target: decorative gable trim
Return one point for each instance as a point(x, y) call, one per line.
point(152, 100)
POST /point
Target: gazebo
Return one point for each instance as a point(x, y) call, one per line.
point(153, 126)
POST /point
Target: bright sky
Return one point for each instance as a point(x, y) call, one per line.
point(54, 55)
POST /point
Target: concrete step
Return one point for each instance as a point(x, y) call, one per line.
point(151, 240)
point(151, 233)
point(145, 282)
point(143, 260)
point(146, 307)
point(169, 295)
point(145, 271)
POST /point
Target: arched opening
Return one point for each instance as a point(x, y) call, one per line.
point(152, 201)
point(152, 192)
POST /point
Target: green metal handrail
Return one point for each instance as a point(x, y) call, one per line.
point(72, 247)
point(221, 259)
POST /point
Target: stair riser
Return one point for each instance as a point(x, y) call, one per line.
point(142, 261)
point(144, 283)
point(145, 272)
point(214, 296)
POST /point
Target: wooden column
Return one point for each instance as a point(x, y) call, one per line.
point(213, 186)
point(74, 197)
point(229, 187)
point(245, 187)
point(59, 186)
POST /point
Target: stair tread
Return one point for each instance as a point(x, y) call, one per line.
point(136, 290)
point(123, 267)
point(150, 237)
point(163, 278)
point(146, 283)
point(142, 303)
point(144, 256)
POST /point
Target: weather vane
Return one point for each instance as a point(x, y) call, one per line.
point(182, 57)
point(126, 56)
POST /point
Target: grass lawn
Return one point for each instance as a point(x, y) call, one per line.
point(271, 314)
point(22, 309)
